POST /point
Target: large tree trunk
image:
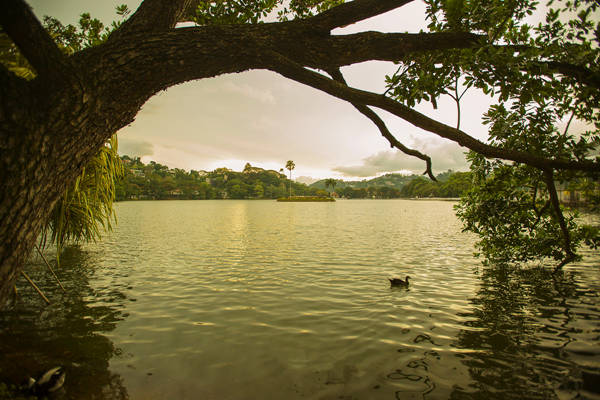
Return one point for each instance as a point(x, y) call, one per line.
point(41, 154)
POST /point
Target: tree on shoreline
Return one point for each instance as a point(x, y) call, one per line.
point(51, 126)
point(289, 165)
point(330, 182)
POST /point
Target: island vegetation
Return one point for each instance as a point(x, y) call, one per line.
point(305, 199)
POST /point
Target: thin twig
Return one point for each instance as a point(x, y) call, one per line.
point(457, 99)
point(35, 287)
point(569, 123)
point(408, 67)
point(50, 268)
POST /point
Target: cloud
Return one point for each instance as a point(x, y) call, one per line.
point(444, 156)
point(263, 96)
point(135, 148)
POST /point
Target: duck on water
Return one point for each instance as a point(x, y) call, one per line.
point(49, 382)
point(399, 282)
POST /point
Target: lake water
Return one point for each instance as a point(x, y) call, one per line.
point(267, 300)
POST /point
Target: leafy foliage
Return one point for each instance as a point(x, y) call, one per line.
point(541, 77)
point(252, 12)
point(510, 211)
point(155, 181)
point(87, 205)
point(456, 184)
point(89, 32)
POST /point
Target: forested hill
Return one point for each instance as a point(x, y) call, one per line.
point(449, 184)
point(396, 181)
point(154, 181)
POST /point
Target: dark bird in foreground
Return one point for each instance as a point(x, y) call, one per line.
point(49, 382)
point(399, 282)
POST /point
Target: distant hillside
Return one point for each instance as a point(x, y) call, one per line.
point(154, 181)
point(390, 186)
point(396, 181)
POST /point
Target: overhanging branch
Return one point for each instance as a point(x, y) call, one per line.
point(385, 132)
point(354, 11)
point(33, 41)
point(292, 70)
point(577, 72)
point(152, 61)
point(155, 15)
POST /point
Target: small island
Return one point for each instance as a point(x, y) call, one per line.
point(306, 198)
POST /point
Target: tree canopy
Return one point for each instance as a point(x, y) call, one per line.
point(52, 125)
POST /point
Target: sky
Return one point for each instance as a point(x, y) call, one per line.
point(265, 119)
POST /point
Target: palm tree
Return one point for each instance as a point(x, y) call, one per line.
point(330, 182)
point(290, 166)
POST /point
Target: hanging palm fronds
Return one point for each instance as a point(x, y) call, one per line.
point(86, 208)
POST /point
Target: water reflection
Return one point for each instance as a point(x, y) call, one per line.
point(414, 381)
point(69, 332)
point(528, 340)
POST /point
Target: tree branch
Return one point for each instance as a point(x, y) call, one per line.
point(354, 11)
point(569, 254)
point(155, 15)
point(539, 213)
point(156, 60)
point(10, 84)
point(372, 115)
point(581, 74)
point(369, 46)
point(569, 123)
point(293, 71)
point(29, 35)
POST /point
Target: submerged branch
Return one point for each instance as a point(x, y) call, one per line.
point(50, 268)
point(569, 254)
point(37, 289)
